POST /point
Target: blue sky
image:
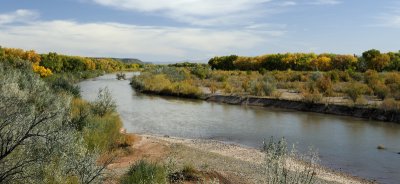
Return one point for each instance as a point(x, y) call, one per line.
point(166, 30)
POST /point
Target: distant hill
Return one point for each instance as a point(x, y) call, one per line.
point(127, 60)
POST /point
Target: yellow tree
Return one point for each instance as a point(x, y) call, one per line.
point(322, 63)
point(89, 64)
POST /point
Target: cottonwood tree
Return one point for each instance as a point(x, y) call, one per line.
point(35, 134)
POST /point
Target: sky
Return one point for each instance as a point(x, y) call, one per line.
point(196, 30)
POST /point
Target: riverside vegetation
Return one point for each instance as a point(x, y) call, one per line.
point(348, 80)
point(49, 135)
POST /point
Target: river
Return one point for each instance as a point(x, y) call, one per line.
point(344, 143)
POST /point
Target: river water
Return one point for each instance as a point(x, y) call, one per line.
point(344, 143)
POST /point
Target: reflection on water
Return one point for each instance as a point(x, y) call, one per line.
point(344, 143)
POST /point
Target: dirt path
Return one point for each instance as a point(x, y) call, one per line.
point(228, 162)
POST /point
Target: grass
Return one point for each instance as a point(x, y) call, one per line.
point(144, 172)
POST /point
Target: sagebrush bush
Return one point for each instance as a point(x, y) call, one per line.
point(41, 144)
point(104, 103)
point(281, 167)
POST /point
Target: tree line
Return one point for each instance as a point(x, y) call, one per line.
point(370, 60)
point(47, 64)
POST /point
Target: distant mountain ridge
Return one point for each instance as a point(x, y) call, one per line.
point(126, 60)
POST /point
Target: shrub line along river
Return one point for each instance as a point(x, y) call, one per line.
point(346, 144)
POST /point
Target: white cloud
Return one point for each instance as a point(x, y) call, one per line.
point(388, 20)
point(391, 17)
point(197, 12)
point(288, 3)
point(325, 2)
point(123, 40)
point(20, 15)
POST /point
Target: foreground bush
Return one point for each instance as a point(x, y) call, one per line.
point(38, 142)
point(144, 172)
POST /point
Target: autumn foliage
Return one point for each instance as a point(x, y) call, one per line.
point(47, 64)
point(371, 59)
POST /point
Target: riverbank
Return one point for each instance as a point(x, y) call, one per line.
point(229, 163)
point(343, 110)
point(369, 113)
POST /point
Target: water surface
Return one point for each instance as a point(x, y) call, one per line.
point(344, 143)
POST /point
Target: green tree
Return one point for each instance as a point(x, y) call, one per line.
point(53, 61)
point(375, 60)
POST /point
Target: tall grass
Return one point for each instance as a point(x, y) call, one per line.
point(144, 172)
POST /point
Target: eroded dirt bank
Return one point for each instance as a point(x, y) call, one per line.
point(359, 112)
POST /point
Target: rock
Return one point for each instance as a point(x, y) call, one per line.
point(380, 147)
point(122, 130)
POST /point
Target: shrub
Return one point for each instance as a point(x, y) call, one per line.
point(185, 88)
point(256, 88)
point(311, 87)
point(40, 145)
point(371, 77)
point(395, 90)
point(143, 172)
point(268, 85)
point(347, 75)
point(361, 101)
point(213, 87)
point(312, 98)
point(64, 84)
point(228, 89)
point(315, 76)
point(355, 90)
point(324, 85)
point(381, 90)
point(280, 168)
point(201, 72)
point(390, 104)
point(103, 132)
point(80, 111)
point(104, 103)
point(392, 78)
point(334, 75)
point(246, 85)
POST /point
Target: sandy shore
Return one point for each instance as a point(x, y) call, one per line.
point(235, 163)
